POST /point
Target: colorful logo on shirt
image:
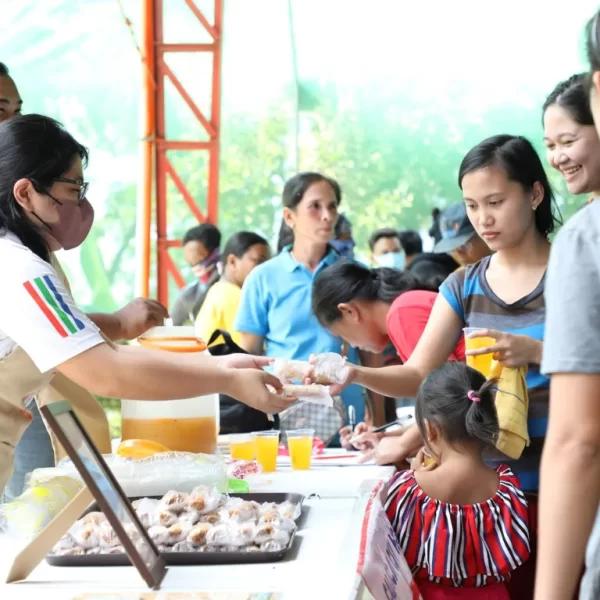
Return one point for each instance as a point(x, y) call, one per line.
point(44, 293)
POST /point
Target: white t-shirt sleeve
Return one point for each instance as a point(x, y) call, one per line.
point(38, 314)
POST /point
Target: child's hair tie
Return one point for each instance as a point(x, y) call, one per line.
point(473, 397)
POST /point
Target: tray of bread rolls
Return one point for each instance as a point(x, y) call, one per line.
point(202, 527)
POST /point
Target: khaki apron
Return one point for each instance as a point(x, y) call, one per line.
point(20, 379)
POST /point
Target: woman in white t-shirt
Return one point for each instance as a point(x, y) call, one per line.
point(43, 208)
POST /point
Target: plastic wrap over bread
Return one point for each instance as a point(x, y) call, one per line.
point(325, 369)
point(314, 393)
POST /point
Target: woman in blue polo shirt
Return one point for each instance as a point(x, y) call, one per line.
point(275, 314)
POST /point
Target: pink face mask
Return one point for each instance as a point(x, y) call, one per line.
point(74, 223)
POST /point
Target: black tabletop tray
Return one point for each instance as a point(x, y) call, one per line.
point(188, 558)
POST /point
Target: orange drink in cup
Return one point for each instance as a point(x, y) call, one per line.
point(483, 362)
point(267, 445)
point(300, 444)
point(242, 446)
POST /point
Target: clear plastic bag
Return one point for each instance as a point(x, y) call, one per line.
point(326, 368)
point(33, 510)
point(314, 393)
point(157, 474)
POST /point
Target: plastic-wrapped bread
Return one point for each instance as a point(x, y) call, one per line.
point(86, 535)
point(132, 531)
point(197, 535)
point(275, 518)
point(176, 502)
point(107, 536)
point(146, 509)
point(178, 532)
point(190, 516)
point(329, 368)
point(212, 518)
point(243, 534)
point(266, 532)
point(219, 535)
point(205, 500)
point(65, 543)
point(326, 368)
point(270, 515)
point(291, 370)
point(166, 518)
point(239, 511)
point(93, 518)
point(314, 393)
point(159, 534)
point(290, 510)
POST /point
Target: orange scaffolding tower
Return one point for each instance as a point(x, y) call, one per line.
point(156, 145)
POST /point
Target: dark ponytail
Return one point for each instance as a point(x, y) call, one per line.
point(481, 422)
point(460, 402)
point(344, 282)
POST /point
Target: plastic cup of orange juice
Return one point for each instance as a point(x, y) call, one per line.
point(483, 362)
point(242, 446)
point(267, 444)
point(300, 443)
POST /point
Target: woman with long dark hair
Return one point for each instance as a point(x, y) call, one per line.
point(511, 206)
point(44, 208)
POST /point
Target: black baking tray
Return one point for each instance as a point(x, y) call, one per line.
point(188, 558)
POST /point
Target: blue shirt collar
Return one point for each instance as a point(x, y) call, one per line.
point(291, 264)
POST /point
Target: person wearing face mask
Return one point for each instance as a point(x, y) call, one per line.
point(386, 249)
point(35, 447)
point(201, 248)
point(459, 238)
point(44, 337)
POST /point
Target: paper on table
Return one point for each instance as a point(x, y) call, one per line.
point(332, 459)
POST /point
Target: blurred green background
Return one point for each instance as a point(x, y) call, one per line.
point(386, 96)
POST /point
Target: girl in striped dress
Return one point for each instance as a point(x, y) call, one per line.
point(462, 525)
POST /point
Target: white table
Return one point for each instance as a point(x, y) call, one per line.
point(321, 564)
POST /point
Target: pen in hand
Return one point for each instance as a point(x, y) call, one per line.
point(352, 423)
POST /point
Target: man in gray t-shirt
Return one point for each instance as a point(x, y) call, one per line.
point(570, 475)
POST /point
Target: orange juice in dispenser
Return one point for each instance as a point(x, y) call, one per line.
point(189, 425)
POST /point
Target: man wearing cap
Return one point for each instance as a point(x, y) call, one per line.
point(459, 238)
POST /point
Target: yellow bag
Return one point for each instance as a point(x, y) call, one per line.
point(512, 406)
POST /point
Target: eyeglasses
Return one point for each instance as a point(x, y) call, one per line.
point(83, 186)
